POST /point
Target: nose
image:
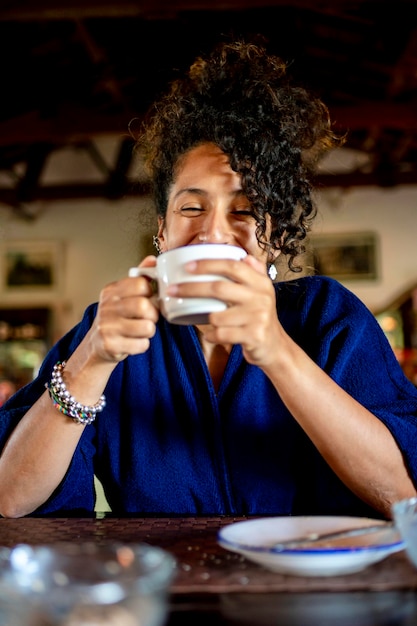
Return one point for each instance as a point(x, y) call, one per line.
point(215, 228)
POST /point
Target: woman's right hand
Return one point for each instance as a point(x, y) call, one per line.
point(126, 317)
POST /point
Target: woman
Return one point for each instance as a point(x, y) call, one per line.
point(288, 402)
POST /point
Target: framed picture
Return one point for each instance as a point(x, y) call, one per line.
point(345, 256)
point(31, 267)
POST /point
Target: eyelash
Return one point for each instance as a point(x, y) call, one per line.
point(191, 209)
point(244, 212)
point(199, 210)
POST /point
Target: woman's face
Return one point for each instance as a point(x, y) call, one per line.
point(206, 205)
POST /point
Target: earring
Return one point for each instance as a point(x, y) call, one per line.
point(272, 272)
point(155, 241)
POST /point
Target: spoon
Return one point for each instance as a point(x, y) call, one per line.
point(314, 538)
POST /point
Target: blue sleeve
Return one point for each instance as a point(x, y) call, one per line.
point(76, 492)
point(346, 340)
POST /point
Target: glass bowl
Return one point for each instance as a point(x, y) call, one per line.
point(69, 584)
point(404, 513)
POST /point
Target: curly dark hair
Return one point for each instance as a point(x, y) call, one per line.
point(239, 98)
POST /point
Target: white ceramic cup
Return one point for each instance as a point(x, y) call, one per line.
point(169, 270)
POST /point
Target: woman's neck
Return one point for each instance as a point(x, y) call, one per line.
point(216, 356)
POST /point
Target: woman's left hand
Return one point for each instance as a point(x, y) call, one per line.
point(251, 317)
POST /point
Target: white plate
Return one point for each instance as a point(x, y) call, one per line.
point(255, 539)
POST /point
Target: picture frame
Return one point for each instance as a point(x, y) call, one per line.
point(345, 256)
point(30, 268)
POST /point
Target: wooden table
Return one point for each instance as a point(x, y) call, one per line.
point(213, 586)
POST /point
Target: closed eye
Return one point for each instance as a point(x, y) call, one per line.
point(243, 213)
point(192, 211)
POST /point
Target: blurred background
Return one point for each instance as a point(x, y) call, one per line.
point(76, 79)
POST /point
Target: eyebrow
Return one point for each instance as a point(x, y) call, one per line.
point(202, 192)
point(196, 190)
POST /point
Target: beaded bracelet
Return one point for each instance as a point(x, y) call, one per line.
point(66, 403)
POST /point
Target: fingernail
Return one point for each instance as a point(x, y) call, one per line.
point(172, 290)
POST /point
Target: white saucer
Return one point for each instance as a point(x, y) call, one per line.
point(255, 539)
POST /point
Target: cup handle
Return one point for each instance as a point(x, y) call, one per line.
point(150, 272)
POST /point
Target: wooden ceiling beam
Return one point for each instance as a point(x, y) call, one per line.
point(70, 126)
point(76, 191)
point(64, 192)
point(388, 115)
point(77, 124)
point(79, 9)
point(27, 186)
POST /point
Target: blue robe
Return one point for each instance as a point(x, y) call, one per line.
point(168, 444)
